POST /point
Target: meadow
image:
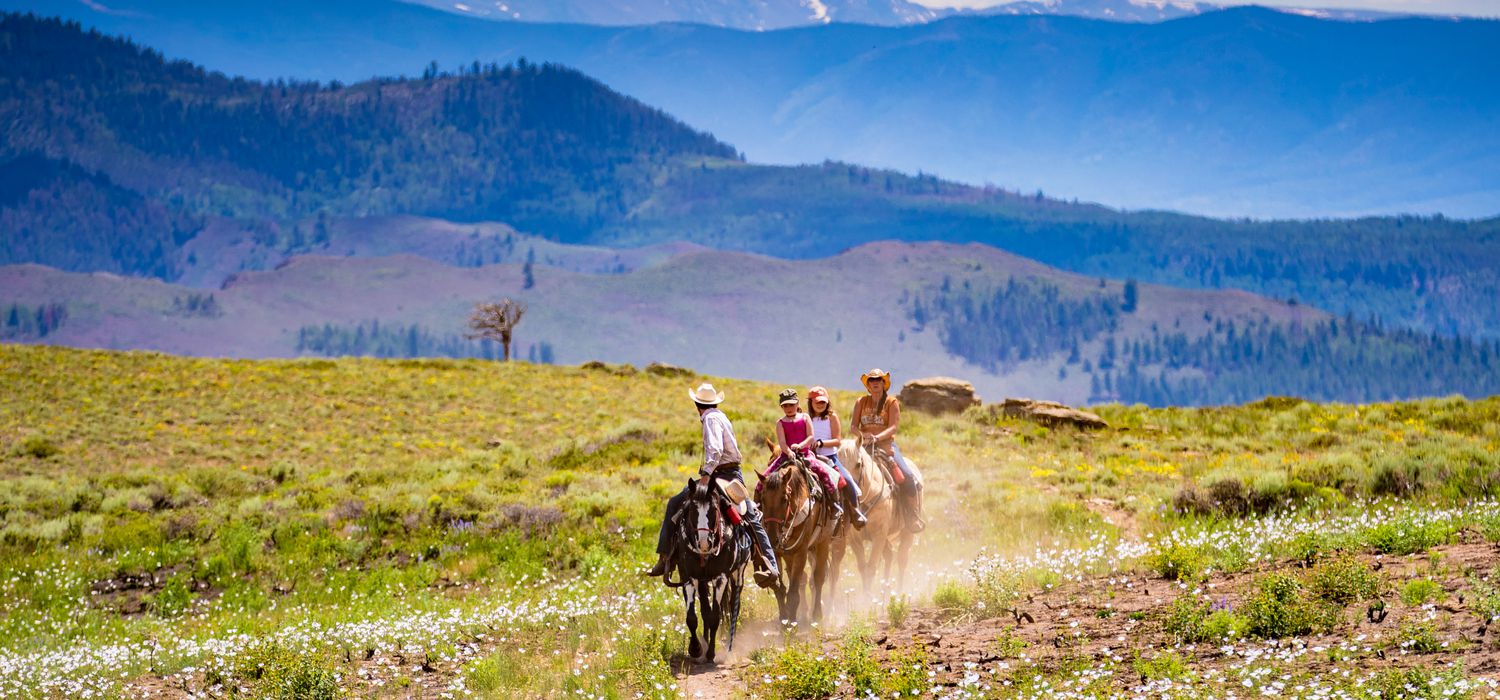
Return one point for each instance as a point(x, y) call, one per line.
point(175, 527)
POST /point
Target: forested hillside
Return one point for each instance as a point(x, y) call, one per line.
point(118, 158)
point(539, 146)
point(1223, 360)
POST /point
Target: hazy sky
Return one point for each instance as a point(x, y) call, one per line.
point(1481, 8)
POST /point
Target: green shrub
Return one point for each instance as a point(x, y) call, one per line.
point(1279, 607)
point(1009, 644)
point(1419, 637)
point(896, 610)
point(174, 598)
point(952, 599)
point(908, 674)
point(1185, 618)
point(1421, 590)
point(1176, 562)
point(1405, 537)
point(860, 669)
point(1164, 665)
point(802, 671)
point(38, 447)
point(278, 673)
point(1225, 625)
point(1486, 598)
point(1343, 580)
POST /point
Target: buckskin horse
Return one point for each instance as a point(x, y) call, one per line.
point(800, 528)
point(887, 537)
point(710, 555)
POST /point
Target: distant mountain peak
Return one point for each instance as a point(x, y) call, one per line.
point(763, 15)
point(1163, 10)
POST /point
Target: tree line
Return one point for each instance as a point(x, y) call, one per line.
point(23, 322)
point(396, 340)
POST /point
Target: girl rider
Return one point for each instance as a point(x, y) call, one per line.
point(826, 436)
point(794, 433)
point(876, 418)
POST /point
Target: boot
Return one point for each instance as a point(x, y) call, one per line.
point(856, 517)
point(661, 566)
point(767, 575)
point(914, 505)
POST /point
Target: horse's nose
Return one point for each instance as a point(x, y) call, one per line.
point(703, 543)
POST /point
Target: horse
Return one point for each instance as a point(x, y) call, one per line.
point(800, 528)
point(887, 536)
point(710, 558)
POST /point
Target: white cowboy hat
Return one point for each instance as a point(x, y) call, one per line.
point(705, 394)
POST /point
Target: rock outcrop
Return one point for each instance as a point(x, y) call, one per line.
point(938, 395)
point(1051, 414)
point(663, 369)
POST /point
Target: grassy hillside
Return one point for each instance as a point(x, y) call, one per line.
point(387, 528)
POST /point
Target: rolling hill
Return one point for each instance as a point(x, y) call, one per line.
point(1009, 324)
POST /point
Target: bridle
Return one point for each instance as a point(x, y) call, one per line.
point(792, 520)
point(715, 528)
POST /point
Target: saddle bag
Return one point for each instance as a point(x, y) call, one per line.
point(738, 497)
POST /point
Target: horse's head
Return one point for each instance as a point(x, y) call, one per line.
point(783, 495)
point(702, 520)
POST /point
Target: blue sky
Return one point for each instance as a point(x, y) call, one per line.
point(1481, 8)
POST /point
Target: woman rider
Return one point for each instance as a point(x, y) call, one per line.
point(826, 433)
point(876, 418)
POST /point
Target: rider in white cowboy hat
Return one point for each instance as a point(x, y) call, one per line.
point(721, 459)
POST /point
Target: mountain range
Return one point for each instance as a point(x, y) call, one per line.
point(152, 204)
point(766, 14)
point(120, 161)
point(1241, 112)
point(777, 14)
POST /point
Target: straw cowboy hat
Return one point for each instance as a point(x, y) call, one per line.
point(876, 374)
point(705, 394)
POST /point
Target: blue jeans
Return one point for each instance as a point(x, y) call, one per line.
point(908, 484)
point(839, 465)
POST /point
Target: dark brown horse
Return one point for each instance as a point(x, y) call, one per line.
point(887, 538)
point(709, 556)
point(801, 529)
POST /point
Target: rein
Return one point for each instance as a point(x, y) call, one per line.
point(795, 521)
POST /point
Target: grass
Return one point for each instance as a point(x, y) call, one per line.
point(351, 519)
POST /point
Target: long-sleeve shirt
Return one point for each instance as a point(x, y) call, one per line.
point(719, 445)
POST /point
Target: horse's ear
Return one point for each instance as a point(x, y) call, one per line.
point(772, 446)
point(759, 474)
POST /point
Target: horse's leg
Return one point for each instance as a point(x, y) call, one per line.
point(835, 570)
point(712, 611)
point(819, 572)
point(902, 557)
point(799, 589)
point(690, 593)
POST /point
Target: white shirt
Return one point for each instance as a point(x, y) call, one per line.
point(719, 445)
point(823, 430)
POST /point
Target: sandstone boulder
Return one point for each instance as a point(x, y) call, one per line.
point(1051, 414)
point(663, 369)
point(938, 395)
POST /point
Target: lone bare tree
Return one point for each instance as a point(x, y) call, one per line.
point(495, 321)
